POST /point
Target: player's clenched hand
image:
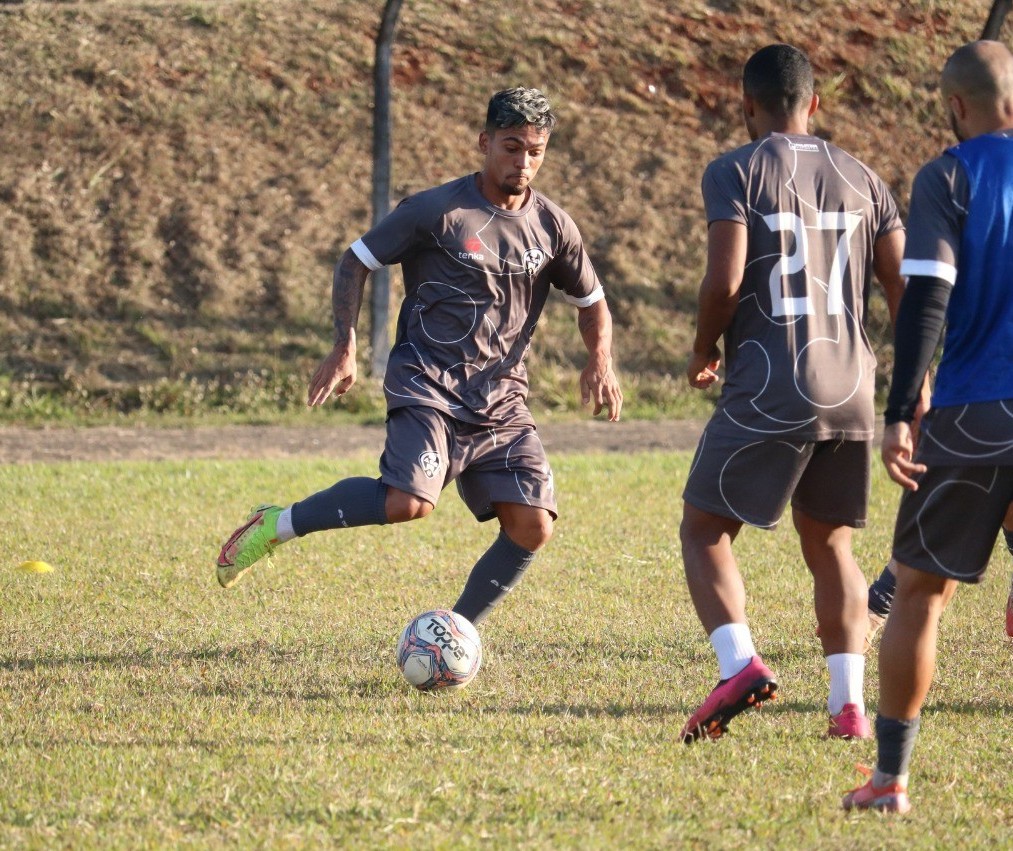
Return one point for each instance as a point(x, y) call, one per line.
point(336, 374)
point(598, 384)
point(702, 370)
point(898, 454)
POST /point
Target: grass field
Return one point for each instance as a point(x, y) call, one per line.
point(142, 706)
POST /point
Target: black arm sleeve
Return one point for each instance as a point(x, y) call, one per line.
point(920, 321)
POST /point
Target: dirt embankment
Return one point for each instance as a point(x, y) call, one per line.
point(112, 443)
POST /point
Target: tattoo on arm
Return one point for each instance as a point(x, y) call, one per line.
point(595, 326)
point(586, 321)
point(346, 296)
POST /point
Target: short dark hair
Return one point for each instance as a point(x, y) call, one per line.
point(779, 78)
point(517, 107)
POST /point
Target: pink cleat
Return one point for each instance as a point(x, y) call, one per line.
point(751, 686)
point(849, 723)
point(886, 799)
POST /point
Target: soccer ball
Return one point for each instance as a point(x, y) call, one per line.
point(439, 650)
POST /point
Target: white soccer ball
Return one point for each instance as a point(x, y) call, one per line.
point(439, 650)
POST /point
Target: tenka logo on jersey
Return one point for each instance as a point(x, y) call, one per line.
point(533, 259)
point(430, 462)
point(472, 249)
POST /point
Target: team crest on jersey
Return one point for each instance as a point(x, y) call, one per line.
point(533, 259)
point(430, 462)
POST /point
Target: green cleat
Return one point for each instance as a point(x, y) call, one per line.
point(256, 538)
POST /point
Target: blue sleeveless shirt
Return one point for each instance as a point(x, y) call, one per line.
point(977, 361)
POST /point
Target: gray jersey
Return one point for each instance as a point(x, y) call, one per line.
point(476, 279)
point(797, 359)
point(939, 199)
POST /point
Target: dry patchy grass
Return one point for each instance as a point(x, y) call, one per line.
point(177, 178)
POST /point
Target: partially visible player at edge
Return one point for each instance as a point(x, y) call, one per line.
point(959, 485)
point(882, 590)
point(479, 256)
point(796, 229)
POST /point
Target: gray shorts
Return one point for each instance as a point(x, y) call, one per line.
point(949, 525)
point(426, 450)
point(752, 480)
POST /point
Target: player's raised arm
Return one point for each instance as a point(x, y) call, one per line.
point(337, 372)
point(718, 299)
point(598, 382)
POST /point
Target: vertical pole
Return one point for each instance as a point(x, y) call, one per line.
point(379, 334)
point(1000, 9)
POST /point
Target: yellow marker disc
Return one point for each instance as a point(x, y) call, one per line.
point(36, 567)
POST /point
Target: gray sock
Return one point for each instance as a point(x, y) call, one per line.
point(500, 569)
point(358, 501)
point(896, 740)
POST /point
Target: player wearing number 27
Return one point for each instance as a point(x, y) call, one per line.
point(796, 229)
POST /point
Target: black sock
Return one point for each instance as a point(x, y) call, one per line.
point(1008, 535)
point(500, 569)
point(351, 502)
point(881, 593)
point(896, 740)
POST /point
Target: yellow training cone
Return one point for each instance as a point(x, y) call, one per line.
point(36, 567)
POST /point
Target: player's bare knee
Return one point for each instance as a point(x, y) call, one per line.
point(700, 528)
point(688, 532)
point(402, 507)
point(532, 532)
point(541, 532)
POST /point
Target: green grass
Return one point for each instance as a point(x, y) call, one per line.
point(142, 706)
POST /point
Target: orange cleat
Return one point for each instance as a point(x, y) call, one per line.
point(885, 799)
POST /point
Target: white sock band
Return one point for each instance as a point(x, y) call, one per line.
point(734, 645)
point(285, 531)
point(847, 675)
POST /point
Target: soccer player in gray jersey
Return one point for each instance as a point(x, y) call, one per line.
point(479, 256)
point(796, 229)
point(959, 484)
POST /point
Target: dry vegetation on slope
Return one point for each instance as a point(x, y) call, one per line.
point(176, 179)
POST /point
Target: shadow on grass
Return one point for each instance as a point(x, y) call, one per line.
point(150, 658)
point(379, 687)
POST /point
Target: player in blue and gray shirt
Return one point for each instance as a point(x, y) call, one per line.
point(959, 484)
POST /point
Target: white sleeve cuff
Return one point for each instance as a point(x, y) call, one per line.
point(929, 269)
point(366, 256)
point(596, 295)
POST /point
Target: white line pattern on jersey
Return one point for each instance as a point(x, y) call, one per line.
point(946, 493)
point(728, 494)
point(790, 310)
point(988, 448)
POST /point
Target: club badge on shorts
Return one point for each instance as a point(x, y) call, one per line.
point(430, 462)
